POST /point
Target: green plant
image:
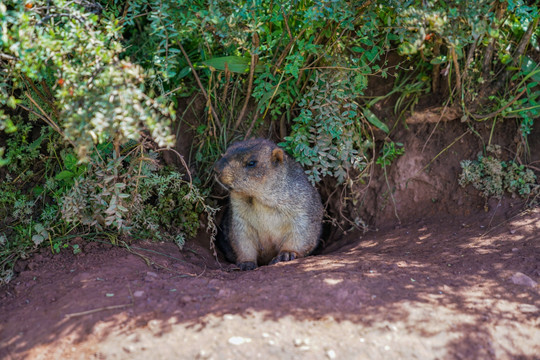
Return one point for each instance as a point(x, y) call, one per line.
point(92, 95)
point(81, 81)
point(493, 177)
point(131, 196)
point(389, 154)
point(327, 137)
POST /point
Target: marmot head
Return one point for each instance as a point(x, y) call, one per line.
point(247, 167)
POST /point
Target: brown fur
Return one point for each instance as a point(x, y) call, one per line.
point(275, 213)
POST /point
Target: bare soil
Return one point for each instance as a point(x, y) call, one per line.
point(446, 289)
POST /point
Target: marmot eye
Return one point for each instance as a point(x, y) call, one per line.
point(251, 163)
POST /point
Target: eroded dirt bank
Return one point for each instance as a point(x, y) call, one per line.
point(445, 289)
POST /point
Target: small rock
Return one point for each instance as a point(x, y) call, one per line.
point(522, 279)
point(528, 308)
point(238, 340)
point(331, 354)
point(138, 293)
point(203, 355)
point(223, 293)
point(302, 344)
point(186, 299)
point(154, 326)
point(150, 276)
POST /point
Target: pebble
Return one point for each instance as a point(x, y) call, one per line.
point(150, 276)
point(528, 308)
point(522, 279)
point(238, 340)
point(331, 354)
point(138, 293)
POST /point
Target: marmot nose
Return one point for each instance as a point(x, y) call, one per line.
point(220, 165)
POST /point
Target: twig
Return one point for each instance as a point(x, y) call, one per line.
point(33, 112)
point(287, 50)
point(436, 73)
point(46, 118)
point(183, 163)
point(7, 57)
point(391, 194)
point(88, 312)
point(458, 73)
point(488, 56)
point(495, 113)
point(254, 59)
point(287, 24)
point(227, 81)
point(470, 56)
point(71, 16)
point(214, 114)
point(517, 56)
point(439, 154)
point(41, 95)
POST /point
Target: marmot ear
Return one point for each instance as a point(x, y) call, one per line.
point(277, 155)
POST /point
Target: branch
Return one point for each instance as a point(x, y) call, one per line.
point(7, 57)
point(458, 74)
point(517, 56)
point(254, 59)
point(214, 114)
point(495, 113)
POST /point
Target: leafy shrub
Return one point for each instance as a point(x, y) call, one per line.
point(93, 96)
point(131, 196)
point(327, 136)
point(493, 177)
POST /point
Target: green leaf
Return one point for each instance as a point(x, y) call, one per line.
point(65, 174)
point(37, 239)
point(374, 120)
point(407, 49)
point(439, 60)
point(236, 64)
point(70, 161)
point(184, 72)
point(529, 66)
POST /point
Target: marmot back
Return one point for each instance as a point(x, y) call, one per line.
point(275, 214)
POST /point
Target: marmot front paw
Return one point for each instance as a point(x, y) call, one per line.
point(284, 256)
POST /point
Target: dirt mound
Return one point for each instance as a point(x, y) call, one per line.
point(446, 289)
point(424, 180)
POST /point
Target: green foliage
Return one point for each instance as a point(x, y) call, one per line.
point(47, 195)
point(95, 96)
point(327, 136)
point(478, 42)
point(493, 177)
point(130, 196)
point(389, 153)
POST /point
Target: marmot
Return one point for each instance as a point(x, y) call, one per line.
point(275, 213)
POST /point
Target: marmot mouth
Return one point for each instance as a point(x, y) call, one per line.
point(226, 187)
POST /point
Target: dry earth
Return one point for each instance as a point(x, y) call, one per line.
point(454, 288)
